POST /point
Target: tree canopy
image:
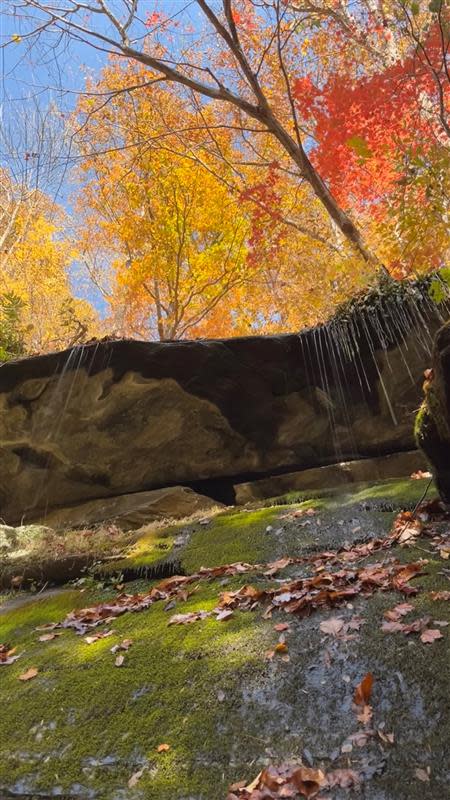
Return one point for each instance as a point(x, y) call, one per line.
point(245, 165)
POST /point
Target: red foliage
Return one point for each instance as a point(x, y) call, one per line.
point(363, 129)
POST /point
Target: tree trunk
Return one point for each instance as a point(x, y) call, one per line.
point(342, 220)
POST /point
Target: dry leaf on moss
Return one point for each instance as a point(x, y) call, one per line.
point(29, 674)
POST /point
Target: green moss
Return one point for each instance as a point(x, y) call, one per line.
point(384, 293)
point(81, 709)
point(206, 689)
point(397, 493)
point(233, 536)
point(152, 547)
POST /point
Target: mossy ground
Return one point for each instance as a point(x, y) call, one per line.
point(83, 726)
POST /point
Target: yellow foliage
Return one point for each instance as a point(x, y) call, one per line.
point(34, 266)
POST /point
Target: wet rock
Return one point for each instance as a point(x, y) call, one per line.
point(130, 511)
point(369, 469)
point(119, 417)
point(432, 427)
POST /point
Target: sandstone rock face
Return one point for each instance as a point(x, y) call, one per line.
point(396, 465)
point(130, 511)
point(433, 420)
point(112, 418)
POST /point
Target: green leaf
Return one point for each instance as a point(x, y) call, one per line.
point(359, 146)
point(435, 6)
point(437, 290)
point(444, 275)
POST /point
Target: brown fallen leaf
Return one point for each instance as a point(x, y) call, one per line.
point(406, 528)
point(224, 614)
point(136, 776)
point(343, 778)
point(422, 774)
point(186, 619)
point(125, 645)
point(363, 691)
point(430, 635)
point(392, 627)
point(388, 738)
point(29, 674)
point(96, 636)
point(332, 626)
point(47, 637)
point(253, 784)
point(49, 626)
point(444, 595)
point(119, 661)
point(308, 781)
point(365, 715)
point(7, 654)
point(394, 614)
point(416, 626)
point(163, 748)
point(281, 626)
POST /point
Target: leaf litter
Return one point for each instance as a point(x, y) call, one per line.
point(293, 781)
point(302, 596)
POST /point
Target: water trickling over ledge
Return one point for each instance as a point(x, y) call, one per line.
point(115, 417)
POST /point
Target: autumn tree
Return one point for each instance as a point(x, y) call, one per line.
point(38, 308)
point(242, 54)
point(173, 234)
point(344, 106)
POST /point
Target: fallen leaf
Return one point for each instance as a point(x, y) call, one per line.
point(29, 674)
point(125, 645)
point(254, 783)
point(332, 626)
point(281, 647)
point(47, 637)
point(49, 626)
point(363, 691)
point(406, 528)
point(398, 611)
point(392, 627)
point(281, 626)
point(224, 614)
point(430, 635)
point(7, 654)
point(388, 738)
point(444, 595)
point(365, 715)
point(163, 748)
point(119, 661)
point(220, 696)
point(135, 778)
point(308, 781)
point(186, 619)
point(422, 774)
point(343, 778)
point(419, 475)
point(96, 636)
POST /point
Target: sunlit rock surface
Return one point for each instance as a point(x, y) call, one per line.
point(117, 417)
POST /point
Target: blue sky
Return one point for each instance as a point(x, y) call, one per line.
point(35, 76)
point(39, 74)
